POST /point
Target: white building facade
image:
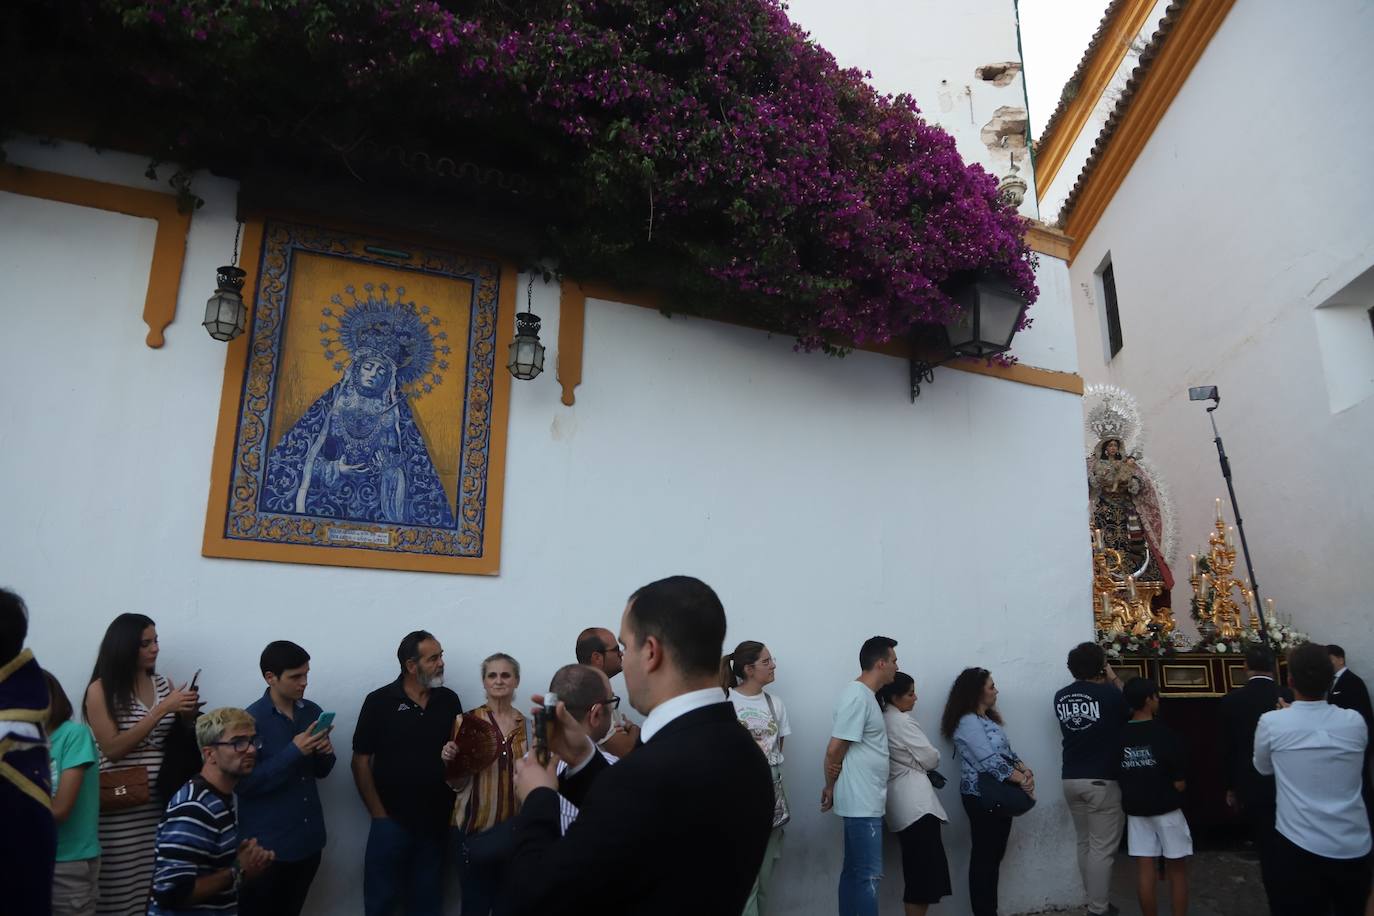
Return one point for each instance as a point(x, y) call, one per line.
point(822, 505)
point(1232, 240)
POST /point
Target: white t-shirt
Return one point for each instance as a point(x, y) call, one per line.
point(861, 790)
point(768, 733)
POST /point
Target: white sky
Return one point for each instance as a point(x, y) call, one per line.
point(1054, 35)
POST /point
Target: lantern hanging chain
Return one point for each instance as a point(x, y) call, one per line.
point(529, 296)
point(238, 230)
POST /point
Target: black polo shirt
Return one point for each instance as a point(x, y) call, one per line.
point(404, 740)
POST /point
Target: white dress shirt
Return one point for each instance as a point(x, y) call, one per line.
point(660, 716)
point(1316, 753)
point(679, 705)
point(910, 796)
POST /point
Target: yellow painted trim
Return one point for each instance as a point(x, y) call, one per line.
point(572, 320)
point(1048, 241)
point(1023, 375)
point(215, 544)
point(1191, 34)
point(1111, 51)
point(169, 245)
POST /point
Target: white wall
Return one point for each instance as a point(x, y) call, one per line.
point(1067, 176)
point(1243, 214)
point(930, 50)
point(820, 503)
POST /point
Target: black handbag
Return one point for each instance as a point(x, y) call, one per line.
point(1002, 798)
point(937, 779)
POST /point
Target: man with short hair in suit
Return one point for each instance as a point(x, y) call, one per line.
point(1248, 791)
point(1348, 690)
point(598, 648)
point(683, 821)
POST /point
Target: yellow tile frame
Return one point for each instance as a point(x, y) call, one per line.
point(215, 544)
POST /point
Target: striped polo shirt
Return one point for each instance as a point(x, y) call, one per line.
point(198, 836)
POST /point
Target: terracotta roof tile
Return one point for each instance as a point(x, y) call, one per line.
point(1113, 9)
point(1123, 104)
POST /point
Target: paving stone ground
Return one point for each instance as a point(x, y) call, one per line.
point(1221, 882)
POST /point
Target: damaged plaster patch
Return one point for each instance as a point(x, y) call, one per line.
point(998, 74)
point(1006, 132)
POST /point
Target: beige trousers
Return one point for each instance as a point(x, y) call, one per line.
point(758, 895)
point(1095, 805)
point(75, 887)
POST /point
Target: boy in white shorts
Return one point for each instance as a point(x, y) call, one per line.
point(1153, 762)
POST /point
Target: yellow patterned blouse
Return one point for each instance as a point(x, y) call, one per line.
point(491, 799)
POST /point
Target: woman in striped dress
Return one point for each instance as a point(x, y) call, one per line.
point(482, 808)
point(130, 708)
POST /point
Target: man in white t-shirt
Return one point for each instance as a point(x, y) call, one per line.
point(856, 763)
point(1315, 751)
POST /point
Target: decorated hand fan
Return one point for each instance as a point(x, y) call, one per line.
point(478, 744)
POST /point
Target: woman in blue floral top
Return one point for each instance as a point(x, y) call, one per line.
point(972, 722)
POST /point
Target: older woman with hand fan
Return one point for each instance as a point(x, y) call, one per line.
point(481, 767)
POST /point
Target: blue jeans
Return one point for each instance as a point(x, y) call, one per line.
point(402, 870)
point(863, 866)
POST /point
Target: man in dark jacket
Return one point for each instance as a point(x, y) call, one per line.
point(683, 821)
point(1247, 790)
point(1348, 691)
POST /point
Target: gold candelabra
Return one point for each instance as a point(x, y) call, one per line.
point(1217, 609)
point(1122, 603)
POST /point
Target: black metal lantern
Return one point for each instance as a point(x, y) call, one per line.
point(526, 352)
point(991, 312)
point(225, 313)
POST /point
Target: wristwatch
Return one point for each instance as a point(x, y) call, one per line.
point(236, 873)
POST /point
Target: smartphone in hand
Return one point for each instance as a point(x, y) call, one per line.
point(325, 721)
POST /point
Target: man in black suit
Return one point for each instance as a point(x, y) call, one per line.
point(683, 821)
point(1248, 791)
point(1348, 690)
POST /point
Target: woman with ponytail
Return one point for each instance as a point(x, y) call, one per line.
point(744, 673)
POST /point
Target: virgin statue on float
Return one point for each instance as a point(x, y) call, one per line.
point(1125, 497)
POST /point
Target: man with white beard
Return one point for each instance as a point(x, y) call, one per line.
point(401, 730)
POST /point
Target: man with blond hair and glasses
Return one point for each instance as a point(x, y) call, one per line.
point(199, 861)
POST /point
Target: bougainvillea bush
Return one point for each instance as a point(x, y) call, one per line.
point(709, 148)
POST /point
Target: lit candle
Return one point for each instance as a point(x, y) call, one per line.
point(1097, 538)
point(1230, 537)
point(1130, 587)
point(1192, 561)
point(1206, 582)
point(1273, 621)
point(1218, 508)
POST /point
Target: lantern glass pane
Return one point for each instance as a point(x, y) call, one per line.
point(526, 357)
point(961, 329)
point(1001, 311)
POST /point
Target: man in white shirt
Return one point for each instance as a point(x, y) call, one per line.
point(586, 695)
point(1316, 752)
point(856, 762)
